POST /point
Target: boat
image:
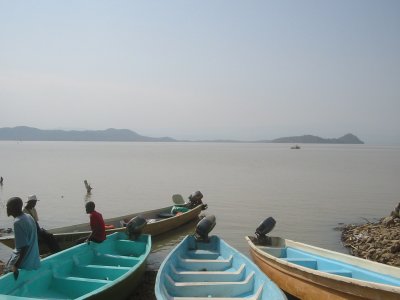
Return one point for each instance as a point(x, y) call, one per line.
point(202, 267)
point(158, 221)
point(109, 270)
point(295, 147)
point(309, 272)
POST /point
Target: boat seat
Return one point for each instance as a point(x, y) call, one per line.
point(99, 272)
point(112, 260)
point(76, 286)
point(203, 254)
point(279, 252)
point(205, 264)
point(83, 279)
point(99, 267)
point(340, 272)
point(211, 289)
point(304, 262)
point(224, 276)
point(257, 296)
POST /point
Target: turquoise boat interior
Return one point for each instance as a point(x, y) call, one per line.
point(80, 271)
point(209, 270)
point(328, 265)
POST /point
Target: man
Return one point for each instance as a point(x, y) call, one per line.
point(26, 253)
point(30, 207)
point(88, 187)
point(97, 224)
point(43, 234)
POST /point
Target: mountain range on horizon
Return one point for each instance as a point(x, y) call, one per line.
point(25, 133)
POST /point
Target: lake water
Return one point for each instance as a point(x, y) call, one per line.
point(308, 191)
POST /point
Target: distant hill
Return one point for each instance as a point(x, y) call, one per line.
point(346, 139)
point(24, 133)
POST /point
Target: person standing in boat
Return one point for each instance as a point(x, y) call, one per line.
point(97, 224)
point(88, 187)
point(26, 253)
point(43, 234)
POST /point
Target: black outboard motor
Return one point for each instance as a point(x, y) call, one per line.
point(261, 232)
point(195, 200)
point(204, 227)
point(135, 226)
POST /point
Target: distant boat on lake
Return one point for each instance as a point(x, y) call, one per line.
point(295, 147)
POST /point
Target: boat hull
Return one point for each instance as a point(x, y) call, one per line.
point(306, 283)
point(109, 270)
point(69, 235)
point(212, 270)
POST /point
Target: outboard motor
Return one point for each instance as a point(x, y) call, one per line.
point(195, 199)
point(261, 232)
point(204, 227)
point(135, 226)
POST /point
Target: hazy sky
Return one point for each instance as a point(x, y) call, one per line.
point(203, 69)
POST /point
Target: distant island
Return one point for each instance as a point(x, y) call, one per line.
point(312, 139)
point(24, 133)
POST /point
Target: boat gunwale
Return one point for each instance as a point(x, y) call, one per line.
point(357, 282)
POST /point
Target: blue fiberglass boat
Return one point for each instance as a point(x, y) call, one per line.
point(309, 272)
point(208, 268)
point(109, 270)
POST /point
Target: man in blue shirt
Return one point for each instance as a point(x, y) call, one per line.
point(26, 253)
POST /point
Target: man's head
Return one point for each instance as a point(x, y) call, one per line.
point(89, 207)
point(14, 207)
point(32, 200)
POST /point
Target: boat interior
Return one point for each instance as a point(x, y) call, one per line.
point(80, 271)
point(118, 222)
point(207, 270)
point(324, 264)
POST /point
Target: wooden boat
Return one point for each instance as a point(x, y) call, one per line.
point(158, 221)
point(309, 272)
point(109, 270)
point(211, 270)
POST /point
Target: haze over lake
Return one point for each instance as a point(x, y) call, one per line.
point(308, 191)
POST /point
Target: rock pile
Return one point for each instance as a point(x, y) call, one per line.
point(378, 242)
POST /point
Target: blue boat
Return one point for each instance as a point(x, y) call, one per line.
point(109, 270)
point(202, 267)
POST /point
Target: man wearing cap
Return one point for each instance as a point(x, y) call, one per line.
point(30, 207)
point(43, 234)
point(26, 253)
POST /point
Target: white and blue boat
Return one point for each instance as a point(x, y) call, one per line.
point(202, 267)
point(109, 270)
point(309, 272)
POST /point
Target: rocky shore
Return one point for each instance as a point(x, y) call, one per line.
point(378, 241)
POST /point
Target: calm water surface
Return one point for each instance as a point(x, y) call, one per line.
point(308, 191)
